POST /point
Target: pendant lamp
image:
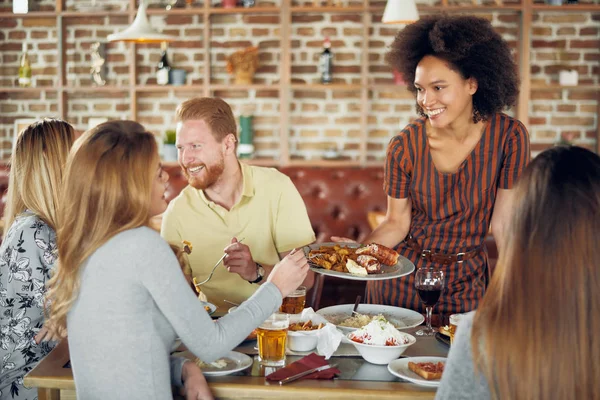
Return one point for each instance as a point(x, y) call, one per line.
point(140, 30)
point(400, 12)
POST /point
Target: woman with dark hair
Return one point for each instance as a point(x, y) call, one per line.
point(532, 335)
point(449, 173)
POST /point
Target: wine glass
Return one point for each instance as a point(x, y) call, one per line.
point(429, 283)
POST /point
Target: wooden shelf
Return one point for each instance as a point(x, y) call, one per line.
point(167, 88)
point(329, 86)
point(328, 9)
point(32, 14)
point(243, 10)
point(578, 88)
point(567, 8)
point(27, 89)
point(324, 163)
point(233, 86)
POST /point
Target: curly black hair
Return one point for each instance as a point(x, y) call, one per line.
point(471, 46)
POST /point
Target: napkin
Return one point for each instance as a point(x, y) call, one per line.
point(328, 337)
point(304, 364)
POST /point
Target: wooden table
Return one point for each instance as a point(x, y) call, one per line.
point(56, 382)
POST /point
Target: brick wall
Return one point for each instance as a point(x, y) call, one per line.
point(319, 120)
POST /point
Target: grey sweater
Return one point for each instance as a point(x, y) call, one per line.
point(133, 302)
point(460, 380)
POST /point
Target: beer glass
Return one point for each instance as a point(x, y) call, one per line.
point(294, 303)
point(454, 322)
point(272, 337)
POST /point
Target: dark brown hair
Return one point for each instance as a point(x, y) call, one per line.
point(531, 333)
point(472, 48)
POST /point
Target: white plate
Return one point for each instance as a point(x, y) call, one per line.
point(402, 318)
point(235, 362)
point(403, 267)
point(399, 368)
point(212, 307)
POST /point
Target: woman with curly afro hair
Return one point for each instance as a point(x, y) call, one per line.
point(449, 173)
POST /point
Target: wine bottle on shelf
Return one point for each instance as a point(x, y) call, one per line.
point(24, 68)
point(162, 72)
point(325, 62)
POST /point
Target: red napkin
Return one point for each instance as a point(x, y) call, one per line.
point(304, 364)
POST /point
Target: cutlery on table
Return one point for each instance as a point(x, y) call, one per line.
point(213, 269)
point(303, 374)
point(358, 298)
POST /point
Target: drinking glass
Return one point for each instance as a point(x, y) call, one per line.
point(429, 283)
point(272, 338)
point(295, 302)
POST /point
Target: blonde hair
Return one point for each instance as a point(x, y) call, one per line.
point(107, 190)
point(36, 170)
point(530, 332)
point(214, 111)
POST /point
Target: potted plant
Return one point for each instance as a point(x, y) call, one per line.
point(169, 149)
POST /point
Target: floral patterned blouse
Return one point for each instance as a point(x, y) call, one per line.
point(27, 255)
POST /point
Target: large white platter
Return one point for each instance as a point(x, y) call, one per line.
point(403, 267)
point(400, 368)
point(401, 318)
point(235, 362)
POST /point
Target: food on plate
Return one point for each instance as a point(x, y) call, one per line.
point(427, 370)
point(353, 268)
point(355, 261)
point(207, 308)
point(383, 254)
point(358, 320)
point(304, 326)
point(220, 363)
point(252, 335)
point(370, 263)
point(445, 330)
point(332, 257)
point(379, 332)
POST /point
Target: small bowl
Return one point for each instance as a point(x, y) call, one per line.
point(381, 354)
point(302, 340)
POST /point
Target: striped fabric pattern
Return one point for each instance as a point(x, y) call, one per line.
point(451, 213)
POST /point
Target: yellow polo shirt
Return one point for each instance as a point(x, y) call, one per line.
point(270, 216)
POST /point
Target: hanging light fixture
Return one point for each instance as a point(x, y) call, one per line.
point(400, 12)
point(140, 30)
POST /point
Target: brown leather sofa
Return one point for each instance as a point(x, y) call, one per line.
point(337, 200)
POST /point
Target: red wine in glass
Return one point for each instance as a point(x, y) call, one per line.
point(428, 295)
point(429, 283)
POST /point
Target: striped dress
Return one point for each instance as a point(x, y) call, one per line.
point(451, 212)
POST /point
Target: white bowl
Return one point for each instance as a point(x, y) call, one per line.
point(381, 354)
point(303, 340)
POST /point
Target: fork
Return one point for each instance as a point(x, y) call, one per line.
point(213, 269)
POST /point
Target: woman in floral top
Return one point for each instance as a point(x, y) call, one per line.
point(28, 251)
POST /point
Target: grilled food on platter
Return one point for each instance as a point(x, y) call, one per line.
point(427, 370)
point(370, 263)
point(368, 258)
point(383, 254)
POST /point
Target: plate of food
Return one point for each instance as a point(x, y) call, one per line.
point(209, 307)
point(425, 371)
point(357, 261)
point(343, 318)
point(231, 363)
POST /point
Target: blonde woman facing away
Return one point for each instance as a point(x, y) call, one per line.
point(119, 287)
point(28, 250)
point(533, 336)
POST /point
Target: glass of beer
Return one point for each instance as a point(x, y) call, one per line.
point(272, 338)
point(454, 321)
point(294, 303)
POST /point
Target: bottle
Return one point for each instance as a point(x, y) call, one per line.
point(24, 68)
point(162, 72)
point(325, 62)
